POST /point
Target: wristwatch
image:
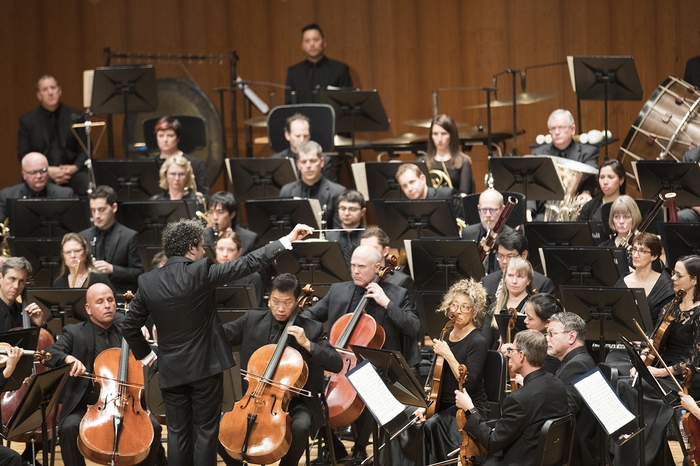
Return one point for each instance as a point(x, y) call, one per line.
point(471, 411)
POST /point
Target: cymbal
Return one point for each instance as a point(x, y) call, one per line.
point(406, 138)
point(426, 123)
point(525, 98)
point(343, 141)
point(258, 122)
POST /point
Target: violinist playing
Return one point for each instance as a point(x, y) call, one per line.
point(258, 328)
point(80, 344)
point(464, 344)
point(681, 350)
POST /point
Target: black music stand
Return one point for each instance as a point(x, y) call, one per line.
point(380, 179)
point(43, 253)
point(666, 176)
point(236, 297)
point(38, 401)
point(132, 179)
point(315, 262)
point(415, 219)
point(502, 319)
point(555, 234)
point(61, 303)
point(608, 312)
point(124, 89)
point(48, 218)
point(583, 266)
point(254, 178)
point(606, 78)
point(535, 176)
point(679, 239)
point(436, 263)
point(149, 218)
point(27, 339)
point(427, 305)
point(273, 218)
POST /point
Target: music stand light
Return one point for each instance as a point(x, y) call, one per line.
point(535, 176)
point(381, 179)
point(583, 266)
point(48, 218)
point(60, 303)
point(315, 262)
point(273, 218)
point(662, 176)
point(43, 253)
point(148, 218)
point(132, 179)
point(415, 219)
point(254, 178)
point(555, 234)
point(436, 264)
point(679, 239)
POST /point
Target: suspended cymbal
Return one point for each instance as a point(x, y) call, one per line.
point(426, 123)
point(526, 98)
point(258, 122)
point(406, 138)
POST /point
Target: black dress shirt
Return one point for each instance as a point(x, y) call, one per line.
point(305, 77)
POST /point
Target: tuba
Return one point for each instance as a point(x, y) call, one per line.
point(571, 173)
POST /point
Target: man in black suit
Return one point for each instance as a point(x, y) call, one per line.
point(351, 209)
point(508, 245)
point(566, 340)
point(391, 307)
point(193, 351)
point(514, 437)
point(223, 210)
point(47, 129)
point(414, 185)
point(312, 184)
point(490, 207)
point(258, 328)
point(114, 247)
point(316, 72)
point(35, 169)
point(14, 274)
point(80, 344)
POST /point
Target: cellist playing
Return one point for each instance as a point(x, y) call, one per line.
point(261, 327)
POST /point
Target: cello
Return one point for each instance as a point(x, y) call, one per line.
point(436, 372)
point(469, 449)
point(117, 430)
point(258, 428)
point(358, 328)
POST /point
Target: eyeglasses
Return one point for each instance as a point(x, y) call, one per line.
point(464, 308)
point(40, 172)
point(73, 252)
point(510, 350)
point(679, 275)
point(488, 210)
point(282, 304)
point(554, 129)
point(501, 257)
point(641, 252)
point(550, 333)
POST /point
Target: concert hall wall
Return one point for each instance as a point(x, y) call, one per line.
point(405, 49)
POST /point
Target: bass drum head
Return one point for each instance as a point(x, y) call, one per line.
point(177, 96)
point(666, 128)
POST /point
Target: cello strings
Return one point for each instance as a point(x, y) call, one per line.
point(88, 375)
point(262, 382)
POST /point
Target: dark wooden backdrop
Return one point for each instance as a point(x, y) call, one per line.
point(403, 48)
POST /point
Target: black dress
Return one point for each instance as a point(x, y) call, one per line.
point(659, 296)
point(591, 210)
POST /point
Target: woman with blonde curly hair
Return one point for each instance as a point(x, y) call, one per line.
point(466, 302)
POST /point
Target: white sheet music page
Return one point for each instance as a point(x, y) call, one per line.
point(605, 404)
point(374, 393)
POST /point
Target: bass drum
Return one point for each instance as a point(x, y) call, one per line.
point(667, 126)
point(177, 96)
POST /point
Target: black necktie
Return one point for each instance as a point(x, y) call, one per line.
point(356, 297)
point(348, 247)
point(100, 239)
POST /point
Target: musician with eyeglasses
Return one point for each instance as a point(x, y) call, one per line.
point(490, 207)
point(351, 210)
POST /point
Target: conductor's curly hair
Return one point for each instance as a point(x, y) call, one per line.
point(178, 237)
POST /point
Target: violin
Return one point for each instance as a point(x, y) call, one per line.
point(661, 333)
point(470, 449)
point(691, 425)
point(511, 325)
point(117, 430)
point(358, 328)
point(258, 428)
point(38, 355)
point(436, 370)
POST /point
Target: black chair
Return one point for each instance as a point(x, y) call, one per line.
point(322, 117)
point(193, 135)
point(644, 206)
point(517, 216)
point(495, 378)
point(556, 440)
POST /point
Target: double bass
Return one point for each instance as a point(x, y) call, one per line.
point(258, 428)
point(117, 430)
point(358, 328)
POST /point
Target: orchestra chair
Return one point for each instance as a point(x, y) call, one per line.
point(193, 135)
point(495, 379)
point(517, 216)
point(322, 117)
point(556, 441)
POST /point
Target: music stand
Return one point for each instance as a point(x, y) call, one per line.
point(124, 89)
point(608, 312)
point(236, 297)
point(502, 319)
point(149, 218)
point(315, 262)
point(582, 266)
point(377, 180)
point(273, 218)
point(555, 234)
point(132, 179)
point(657, 177)
point(61, 303)
point(606, 78)
point(679, 239)
point(535, 176)
point(415, 219)
point(48, 218)
point(254, 178)
point(436, 263)
point(43, 253)
point(27, 339)
point(427, 305)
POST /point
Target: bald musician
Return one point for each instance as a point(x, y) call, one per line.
point(490, 207)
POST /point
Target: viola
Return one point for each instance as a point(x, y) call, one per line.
point(436, 370)
point(258, 428)
point(117, 430)
point(38, 355)
point(661, 332)
point(469, 450)
point(691, 425)
point(358, 328)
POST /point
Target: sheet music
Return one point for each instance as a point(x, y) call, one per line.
point(572, 75)
point(360, 176)
point(316, 207)
point(605, 404)
point(377, 397)
point(88, 78)
point(409, 255)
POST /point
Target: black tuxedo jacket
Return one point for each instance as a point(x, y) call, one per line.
point(400, 317)
point(584, 153)
point(123, 254)
point(327, 195)
point(249, 239)
point(77, 340)
point(34, 136)
point(304, 77)
point(524, 412)
point(252, 331)
point(542, 284)
point(23, 191)
point(180, 297)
